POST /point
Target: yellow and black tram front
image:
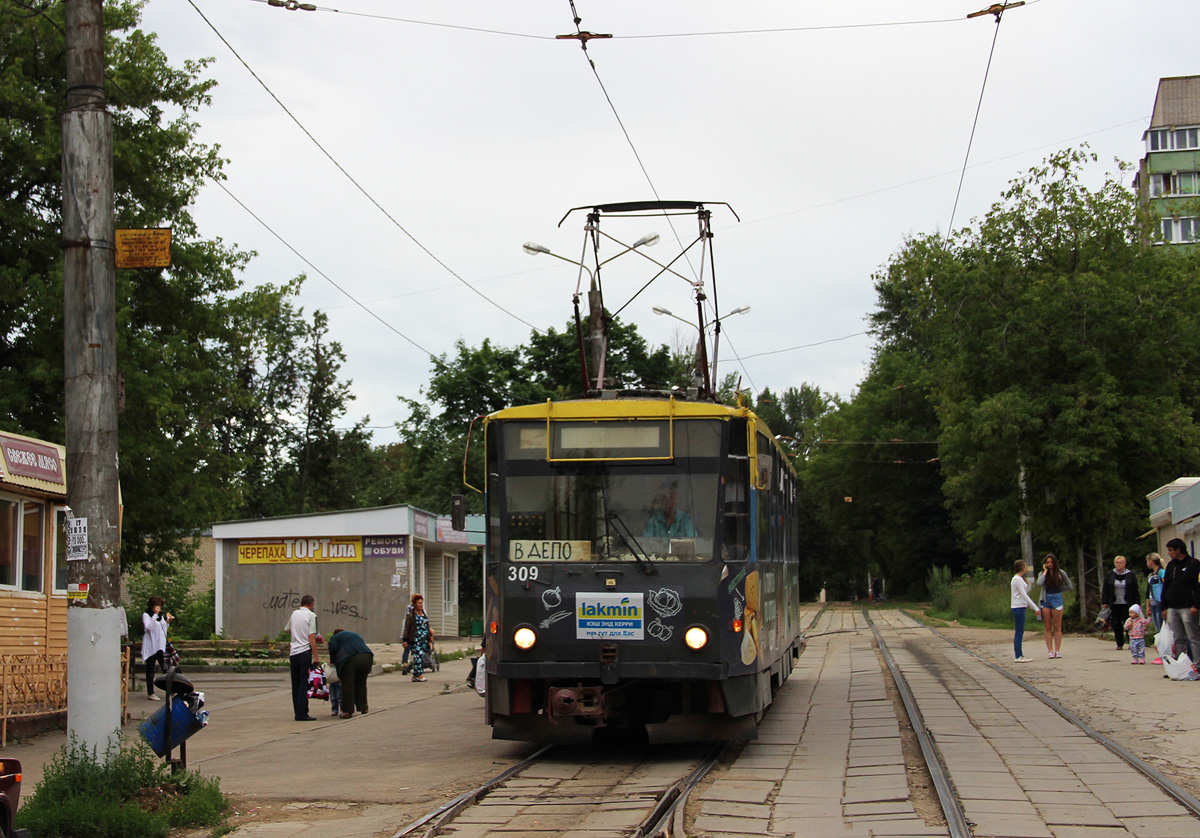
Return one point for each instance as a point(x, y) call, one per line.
point(631, 568)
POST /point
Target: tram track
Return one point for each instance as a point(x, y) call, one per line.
point(664, 803)
point(1180, 795)
point(956, 818)
point(636, 794)
point(950, 755)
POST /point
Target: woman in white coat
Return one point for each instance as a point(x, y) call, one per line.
point(154, 640)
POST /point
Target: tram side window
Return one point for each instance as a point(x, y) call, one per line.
point(766, 472)
point(735, 535)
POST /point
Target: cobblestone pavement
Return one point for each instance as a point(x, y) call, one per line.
point(829, 760)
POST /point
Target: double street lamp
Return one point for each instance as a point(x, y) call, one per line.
point(595, 303)
point(716, 322)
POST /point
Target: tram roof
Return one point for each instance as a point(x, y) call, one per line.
point(623, 408)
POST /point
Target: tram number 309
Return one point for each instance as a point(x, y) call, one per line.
point(522, 574)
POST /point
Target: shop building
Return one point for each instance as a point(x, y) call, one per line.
point(361, 565)
point(33, 550)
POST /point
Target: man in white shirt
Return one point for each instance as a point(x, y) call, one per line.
point(303, 627)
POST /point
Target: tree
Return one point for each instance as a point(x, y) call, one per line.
point(1058, 347)
point(481, 380)
point(876, 472)
point(205, 364)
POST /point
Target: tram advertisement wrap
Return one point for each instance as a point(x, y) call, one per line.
point(609, 616)
point(740, 596)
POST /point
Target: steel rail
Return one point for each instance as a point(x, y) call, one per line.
point(1180, 795)
point(666, 815)
point(956, 818)
point(447, 811)
point(666, 819)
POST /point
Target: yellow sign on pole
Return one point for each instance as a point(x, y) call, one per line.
point(144, 248)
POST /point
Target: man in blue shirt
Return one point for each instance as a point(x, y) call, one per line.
point(669, 521)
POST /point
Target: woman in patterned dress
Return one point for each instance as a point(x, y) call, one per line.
point(418, 636)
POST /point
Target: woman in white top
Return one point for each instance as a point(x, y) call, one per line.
point(1020, 601)
point(154, 640)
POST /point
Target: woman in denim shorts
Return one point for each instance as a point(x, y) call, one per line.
point(1054, 582)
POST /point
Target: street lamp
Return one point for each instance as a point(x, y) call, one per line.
point(595, 302)
point(661, 310)
point(716, 330)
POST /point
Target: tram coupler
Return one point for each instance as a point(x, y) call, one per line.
point(576, 701)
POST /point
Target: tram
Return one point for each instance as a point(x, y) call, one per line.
point(641, 560)
point(641, 567)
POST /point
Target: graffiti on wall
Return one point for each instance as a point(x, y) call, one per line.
point(342, 608)
point(289, 600)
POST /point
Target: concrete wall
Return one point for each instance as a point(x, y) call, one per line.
point(257, 599)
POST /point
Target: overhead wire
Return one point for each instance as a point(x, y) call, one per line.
point(351, 178)
point(975, 123)
point(649, 36)
point(217, 180)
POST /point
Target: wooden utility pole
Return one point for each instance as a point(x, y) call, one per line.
point(95, 623)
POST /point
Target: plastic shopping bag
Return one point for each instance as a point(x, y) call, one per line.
point(1179, 669)
point(1164, 641)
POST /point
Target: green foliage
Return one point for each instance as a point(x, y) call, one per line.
point(427, 468)
point(879, 452)
point(937, 583)
point(230, 394)
point(130, 792)
point(197, 619)
point(980, 598)
point(195, 613)
point(1041, 366)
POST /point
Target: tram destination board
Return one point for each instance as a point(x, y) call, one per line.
point(144, 248)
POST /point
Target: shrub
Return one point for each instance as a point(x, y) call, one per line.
point(130, 793)
point(938, 582)
point(197, 617)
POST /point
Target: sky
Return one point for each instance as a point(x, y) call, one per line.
point(834, 131)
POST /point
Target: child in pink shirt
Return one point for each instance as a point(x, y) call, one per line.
point(1136, 626)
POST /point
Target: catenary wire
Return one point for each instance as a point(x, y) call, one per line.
point(583, 42)
point(649, 36)
point(803, 346)
point(926, 178)
point(216, 180)
point(350, 177)
point(974, 125)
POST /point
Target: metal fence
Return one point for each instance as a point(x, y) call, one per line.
point(33, 685)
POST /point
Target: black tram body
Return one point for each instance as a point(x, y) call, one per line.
point(641, 568)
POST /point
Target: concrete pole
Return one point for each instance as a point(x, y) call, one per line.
point(95, 625)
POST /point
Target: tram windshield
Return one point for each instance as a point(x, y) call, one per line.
point(652, 496)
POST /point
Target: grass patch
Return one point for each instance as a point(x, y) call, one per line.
point(983, 599)
point(130, 793)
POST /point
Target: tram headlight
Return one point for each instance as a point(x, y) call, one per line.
point(695, 638)
point(524, 637)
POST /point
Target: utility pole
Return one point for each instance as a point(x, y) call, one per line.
point(95, 625)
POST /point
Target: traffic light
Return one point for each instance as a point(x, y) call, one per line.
point(458, 513)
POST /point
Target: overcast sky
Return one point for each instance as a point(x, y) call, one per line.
point(831, 135)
